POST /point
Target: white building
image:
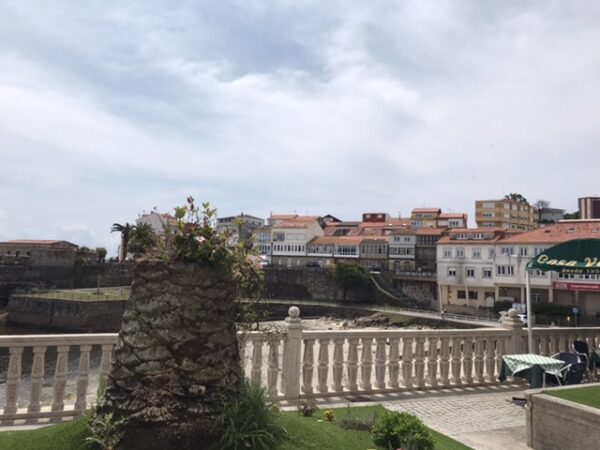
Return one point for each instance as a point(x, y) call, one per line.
point(402, 244)
point(158, 221)
point(289, 238)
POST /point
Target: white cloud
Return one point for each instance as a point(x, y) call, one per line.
point(331, 108)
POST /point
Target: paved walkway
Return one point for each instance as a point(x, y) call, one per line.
point(482, 418)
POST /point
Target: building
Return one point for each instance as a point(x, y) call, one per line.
point(425, 248)
point(480, 266)
point(551, 215)
point(261, 242)
point(465, 267)
point(325, 250)
point(158, 221)
point(290, 236)
point(402, 245)
point(452, 220)
point(239, 227)
point(506, 214)
point(425, 217)
point(589, 208)
point(374, 253)
point(50, 253)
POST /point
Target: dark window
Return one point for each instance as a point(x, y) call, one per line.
point(461, 294)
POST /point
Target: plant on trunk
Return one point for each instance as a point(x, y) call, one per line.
point(177, 359)
point(142, 240)
point(125, 230)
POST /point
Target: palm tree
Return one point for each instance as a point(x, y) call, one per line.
point(142, 239)
point(126, 230)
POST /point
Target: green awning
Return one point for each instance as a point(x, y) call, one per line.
point(581, 256)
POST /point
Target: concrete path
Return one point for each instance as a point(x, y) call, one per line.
point(468, 320)
point(483, 418)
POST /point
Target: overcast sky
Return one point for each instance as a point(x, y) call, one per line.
point(341, 107)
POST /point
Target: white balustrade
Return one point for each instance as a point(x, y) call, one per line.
point(348, 362)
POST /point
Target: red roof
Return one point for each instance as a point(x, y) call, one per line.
point(430, 231)
point(426, 210)
point(557, 233)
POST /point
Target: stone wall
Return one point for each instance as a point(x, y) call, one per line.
point(424, 292)
point(107, 275)
point(65, 315)
point(310, 283)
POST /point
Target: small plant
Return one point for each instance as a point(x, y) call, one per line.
point(103, 432)
point(328, 415)
point(250, 421)
point(402, 430)
point(308, 407)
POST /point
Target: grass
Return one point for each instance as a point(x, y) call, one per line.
point(304, 433)
point(89, 295)
point(589, 396)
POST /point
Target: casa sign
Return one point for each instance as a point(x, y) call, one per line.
point(581, 256)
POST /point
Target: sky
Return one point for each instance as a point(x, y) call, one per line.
point(109, 109)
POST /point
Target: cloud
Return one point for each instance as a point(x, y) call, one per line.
point(328, 108)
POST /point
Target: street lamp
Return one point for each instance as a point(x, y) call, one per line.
point(530, 346)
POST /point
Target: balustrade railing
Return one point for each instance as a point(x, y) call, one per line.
point(56, 375)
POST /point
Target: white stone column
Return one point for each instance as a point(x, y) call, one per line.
point(514, 324)
point(291, 354)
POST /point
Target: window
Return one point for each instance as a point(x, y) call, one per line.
point(538, 250)
point(523, 251)
point(505, 270)
point(460, 252)
point(491, 253)
point(470, 272)
point(487, 272)
point(487, 214)
point(476, 253)
point(473, 295)
point(447, 253)
point(461, 294)
point(278, 237)
point(451, 271)
point(507, 250)
point(454, 223)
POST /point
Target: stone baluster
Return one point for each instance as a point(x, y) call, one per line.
point(323, 369)
point(13, 378)
point(455, 360)
point(545, 345)
point(37, 378)
point(338, 364)
point(380, 358)
point(445, 361)
point(352, 367)
point(256, 370)
point(500, 352)
point(366, 364)
point(420, 361)
point(308, 364)
point(291, 367)
point(273, 367)
point(60, 377)
point(479, 360)
point(563, 343)
point(556, 344)
point(468, 360)
point(407, 361)
point(432, 361)
point(242, 349)
point(490, 359)
point(106, 360)
point(82, 378)
point(394, 365)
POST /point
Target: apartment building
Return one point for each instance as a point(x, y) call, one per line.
point(452, 220)
point(505, 213)
point(465, 266)
point(289, 238)
point(239, 227)
point(491, 267)
point(402, 249)
point(425, 248)
point(589, 208)
point(261, 242)
point(326, 250)
point(425, 217)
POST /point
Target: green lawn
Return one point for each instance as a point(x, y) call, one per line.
point(91, 294)
point(589, 396)
point(305, 433)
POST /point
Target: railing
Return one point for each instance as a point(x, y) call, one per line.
point(415, 274)
point(56, 375)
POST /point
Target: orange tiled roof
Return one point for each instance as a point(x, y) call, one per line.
point(557, 233)
point(430, 231)
point(425, 210)
point(330, 240)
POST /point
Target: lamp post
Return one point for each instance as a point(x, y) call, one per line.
point(528, 306)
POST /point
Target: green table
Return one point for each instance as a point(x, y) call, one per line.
point(530, 367)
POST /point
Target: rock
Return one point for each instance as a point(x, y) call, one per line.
point(374, 320)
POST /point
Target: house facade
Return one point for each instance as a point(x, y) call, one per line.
point(506, 214)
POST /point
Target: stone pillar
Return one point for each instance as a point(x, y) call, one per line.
point(291, 355)
point(512, 322)
point(551, 295)
point(522, 299)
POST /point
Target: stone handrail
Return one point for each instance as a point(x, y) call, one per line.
point(291, 363)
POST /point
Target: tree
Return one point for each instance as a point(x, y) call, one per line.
point(541, 205)
point(351, 276)
point(516, 197)
point(125, 231)
point(101, 251)
point(572, 216)
point(142, 239)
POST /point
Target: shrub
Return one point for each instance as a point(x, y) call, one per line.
point(402, 430)
point(328, 415)
point(250, 421)
point(307, 407)
point(351, 422)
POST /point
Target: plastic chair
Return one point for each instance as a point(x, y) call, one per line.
point(560, 376)
point(575, 373)
point(583, 351)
